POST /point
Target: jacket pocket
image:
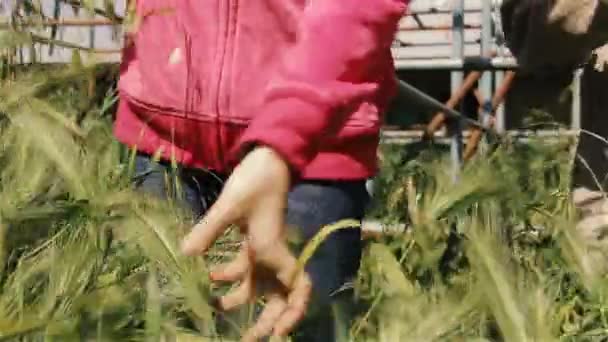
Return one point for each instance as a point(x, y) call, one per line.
point(162, 48)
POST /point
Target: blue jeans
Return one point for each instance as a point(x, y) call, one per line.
point(311, 205)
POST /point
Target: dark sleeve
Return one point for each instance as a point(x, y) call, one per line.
point(554, 34)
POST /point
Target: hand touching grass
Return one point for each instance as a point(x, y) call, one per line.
point(255, 198)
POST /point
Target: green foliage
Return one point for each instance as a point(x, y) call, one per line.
point(85, 257)
point(494, 256)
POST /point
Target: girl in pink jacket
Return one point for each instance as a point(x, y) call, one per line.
point(290, 92)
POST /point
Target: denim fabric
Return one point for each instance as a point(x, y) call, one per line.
point(311, 205)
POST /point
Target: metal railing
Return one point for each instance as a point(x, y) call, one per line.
point(491, 112)
point(495, 63)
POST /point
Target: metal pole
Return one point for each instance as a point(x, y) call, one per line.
point(485, 83)
point(497, 99)
point(5, 24)
point(408, 137)
point(500, 121)
point(92, 33)
point(411, 93)
point(576, 100)
point(439, 118)
point(457, 77)
point(434, 28)
point(478, 63)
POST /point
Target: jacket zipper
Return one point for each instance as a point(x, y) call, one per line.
point(226, 18)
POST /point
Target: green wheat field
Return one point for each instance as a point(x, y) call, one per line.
point(83, 257)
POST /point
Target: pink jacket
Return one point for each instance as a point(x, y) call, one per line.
point(204, 79)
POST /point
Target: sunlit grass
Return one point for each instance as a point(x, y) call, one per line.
point(85, 257)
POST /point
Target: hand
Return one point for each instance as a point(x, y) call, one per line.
point(602, 58)
point(576, 16)
point(255, 198)
point(260, 281)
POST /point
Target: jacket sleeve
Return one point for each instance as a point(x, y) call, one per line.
point(328, 69)
point(554, 34)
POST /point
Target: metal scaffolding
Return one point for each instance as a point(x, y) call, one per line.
point(493, 69)
point(491, 66)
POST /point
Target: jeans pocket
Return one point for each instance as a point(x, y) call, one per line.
point(142, 168)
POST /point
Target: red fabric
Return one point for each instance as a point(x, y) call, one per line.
point(308, 78)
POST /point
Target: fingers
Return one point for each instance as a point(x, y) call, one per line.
point(234, 270)
point(232, 203)
point(237, 297)
point(237, 269)
point(279, 259)
point(277, 272)
point(203, 235)
point(297, 305)
point(267, 242)
point(270, 249)
point(281, 315)
point(273, 309)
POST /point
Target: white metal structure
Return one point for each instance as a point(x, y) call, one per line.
point(72, 29)
point(426, 34)
point(423, 41)
point(434, 35)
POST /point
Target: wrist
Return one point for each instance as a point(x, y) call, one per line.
point(271, 160)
